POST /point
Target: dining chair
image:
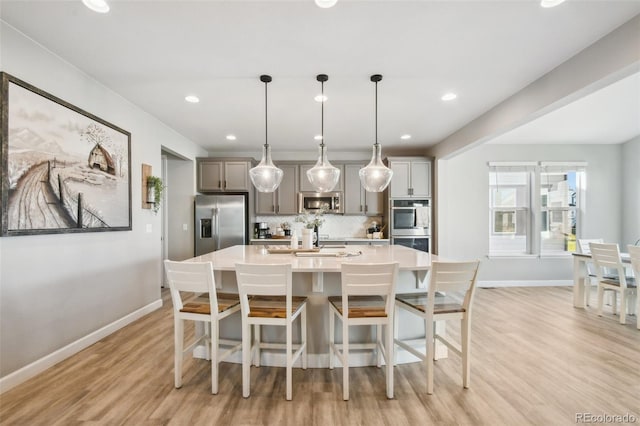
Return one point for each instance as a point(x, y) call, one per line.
point(634, 254)
point(583, 247)
point(450, 297)
point(368, 292)
point(266, 299)
point(608, 256)
point(194, 298)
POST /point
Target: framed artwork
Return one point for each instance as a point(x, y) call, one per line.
point(63, 169)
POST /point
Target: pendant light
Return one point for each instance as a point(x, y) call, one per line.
point(323, 176)
point(376, 176)
point(266, 177)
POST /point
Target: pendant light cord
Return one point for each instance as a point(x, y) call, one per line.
point(266, 122)
point(322, 115)
point(376, 113)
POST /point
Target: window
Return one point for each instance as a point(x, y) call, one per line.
point(524, 224)
point(510, 212)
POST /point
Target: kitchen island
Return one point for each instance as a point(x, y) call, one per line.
point(318, 278)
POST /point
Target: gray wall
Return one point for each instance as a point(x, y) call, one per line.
point(57, 289)
point(463, 206)
point(630, 192)
point(180, 175)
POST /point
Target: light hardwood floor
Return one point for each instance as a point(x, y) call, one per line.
point(535, 360)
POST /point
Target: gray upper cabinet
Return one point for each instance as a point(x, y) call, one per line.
point(356, 199)
point(411, 177)
point(215, 174)
point(305, 185)
point(283, 200)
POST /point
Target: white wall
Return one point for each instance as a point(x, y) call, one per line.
point(56, 290)
point(630, 192)
point(463, 206)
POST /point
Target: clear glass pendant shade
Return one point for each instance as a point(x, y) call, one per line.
point(323, 176)
point(266, 177)
point(375, 177)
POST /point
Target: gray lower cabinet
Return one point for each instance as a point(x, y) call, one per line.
point(283, 200)
point(356, 199)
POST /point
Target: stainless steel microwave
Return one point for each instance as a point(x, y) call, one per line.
point(315, 201)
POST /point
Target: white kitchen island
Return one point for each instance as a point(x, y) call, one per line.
point(318, 278)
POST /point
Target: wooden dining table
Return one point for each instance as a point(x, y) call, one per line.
point(580, 274)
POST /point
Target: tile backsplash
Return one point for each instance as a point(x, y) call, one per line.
point(334, 225)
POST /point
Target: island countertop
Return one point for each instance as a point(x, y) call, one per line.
point(409, 259)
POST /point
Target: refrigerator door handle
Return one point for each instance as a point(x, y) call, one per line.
point(217, 228)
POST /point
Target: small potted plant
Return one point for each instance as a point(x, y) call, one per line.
point(286, 227)
point(155, 187)
point(312, 221)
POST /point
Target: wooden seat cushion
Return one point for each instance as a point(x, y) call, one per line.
point(200, 305)
point(442, 305)
point(361, 306)
point(274, 306)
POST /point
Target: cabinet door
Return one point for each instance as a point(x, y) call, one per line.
point(287, 192)
point(209, 176)
point(420, 178)
point(374, 203)
point(305, 185)
point(353, 191)
point(265, 202)
point(236, 176)
point(400, 182)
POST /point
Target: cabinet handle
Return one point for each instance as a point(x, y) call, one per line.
point(366, 209)
point(278, 210)
point(273, 208)
point(219, 184)
point(360, 207)
point(225, 184)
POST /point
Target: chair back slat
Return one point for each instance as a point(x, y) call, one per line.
point(583, 244)
point(453, 277)
point(634, 254)
point(263, 280)
point(194, 277)
point(607, 255)
point(369, 279)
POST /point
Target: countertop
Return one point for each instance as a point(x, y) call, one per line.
point(350, 239)
point(409, 259)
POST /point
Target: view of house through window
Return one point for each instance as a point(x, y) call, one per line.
point(524, 224)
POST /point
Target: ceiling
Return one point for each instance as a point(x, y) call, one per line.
point(156, 53)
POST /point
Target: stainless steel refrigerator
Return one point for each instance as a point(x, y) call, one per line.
point(220, 222)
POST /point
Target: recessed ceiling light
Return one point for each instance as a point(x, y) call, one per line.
point(550, 3)
point(192, 99)
point(405, 137)
point(320, 98)
point(325, 4)
point(231, 137)
point(449, 96)
point(318, 137)
point(99, 6)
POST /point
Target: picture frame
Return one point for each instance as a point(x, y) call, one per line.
point(64, 170)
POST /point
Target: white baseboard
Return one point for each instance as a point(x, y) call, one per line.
point(525, 283)
point(28, 371)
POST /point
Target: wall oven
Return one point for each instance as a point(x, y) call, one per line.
point(314, 201)
point(410, 217)
point(418, 243)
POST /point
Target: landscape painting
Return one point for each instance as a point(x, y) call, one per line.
point(63, 169)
